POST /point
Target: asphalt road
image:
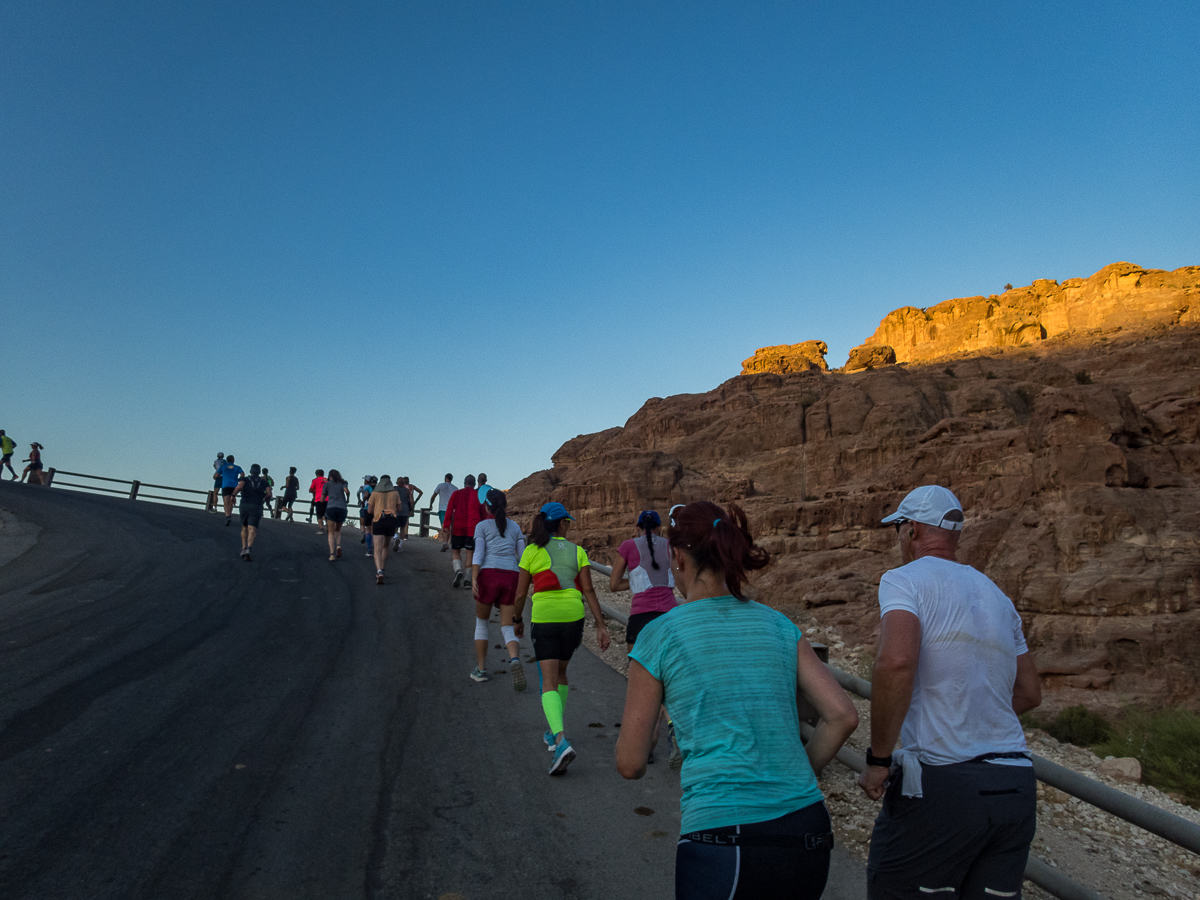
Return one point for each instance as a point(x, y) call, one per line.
point(178, 723)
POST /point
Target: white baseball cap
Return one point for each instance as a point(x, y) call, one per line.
point(930, 504)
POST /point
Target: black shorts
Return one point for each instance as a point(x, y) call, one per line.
point(6, 458)
point(384, 526)
point(404, 524)
point(782, 858)
point(556, 640)
point(319, 508)
point(365, 515)
point(227, 491)
point(337, 515)
point(251, 519)
point(970, 830)
point(461, 542)
point(289, 497)
point(638, 621)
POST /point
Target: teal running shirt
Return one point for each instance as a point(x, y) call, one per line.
point(728, 670)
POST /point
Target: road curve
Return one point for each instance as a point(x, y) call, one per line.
point(177, 723)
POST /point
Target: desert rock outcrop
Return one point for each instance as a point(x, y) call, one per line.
point(807, 356)
point(1077, 458)
point(1119, 296)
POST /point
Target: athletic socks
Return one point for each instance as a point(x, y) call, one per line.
point(457, 565)
point(552, 706)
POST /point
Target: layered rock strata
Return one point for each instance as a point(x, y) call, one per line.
point(1077, 459)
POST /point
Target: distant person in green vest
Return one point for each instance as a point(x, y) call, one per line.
point(7, 446)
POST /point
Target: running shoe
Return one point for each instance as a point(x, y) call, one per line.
point(548, 737)
point(339, 552)
point(458, 577)
point(518, 674)
point(395, 545)
point(479, 675)
point(247, 555)
point(369, 553)
point(243, 553)
point(228, 520)
point(363, 539)
point(676, 760)
point(379, 576)
point(563, 754)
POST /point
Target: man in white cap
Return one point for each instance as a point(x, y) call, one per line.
point(952, 673)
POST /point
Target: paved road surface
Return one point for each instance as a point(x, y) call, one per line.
point(177, 723)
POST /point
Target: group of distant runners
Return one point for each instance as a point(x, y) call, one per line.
point(952, 674)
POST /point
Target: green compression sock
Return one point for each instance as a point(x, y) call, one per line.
point(562, 692)
point(552, 706)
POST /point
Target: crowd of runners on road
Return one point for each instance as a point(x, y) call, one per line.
point(721, 674)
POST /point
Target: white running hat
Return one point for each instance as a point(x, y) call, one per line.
point(930, 504)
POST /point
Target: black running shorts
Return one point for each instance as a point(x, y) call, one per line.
point(462, 542)
point(384, 526)
point(319, 508)
point(337, 515)
point(968, 836)
point(251, 519)
point(638, 621)
point(781, 859)
point(227, 491)
point(556, 640)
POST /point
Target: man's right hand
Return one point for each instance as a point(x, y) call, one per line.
point(874, 781)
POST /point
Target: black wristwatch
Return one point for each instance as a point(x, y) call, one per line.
point(884, 762)
point(517, 620)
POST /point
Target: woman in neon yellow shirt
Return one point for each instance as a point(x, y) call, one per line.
point(561, 579)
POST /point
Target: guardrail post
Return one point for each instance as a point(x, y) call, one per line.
point(423, 531)
point(133, 490)
point(48, 478)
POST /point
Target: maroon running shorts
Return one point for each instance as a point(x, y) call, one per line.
point(497, 587)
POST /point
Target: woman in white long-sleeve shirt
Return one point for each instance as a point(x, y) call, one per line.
point(499, 544)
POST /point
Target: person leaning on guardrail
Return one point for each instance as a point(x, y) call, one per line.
point(754, 820)
point(952, 673)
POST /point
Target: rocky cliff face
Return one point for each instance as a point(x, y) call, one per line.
point(807, 356)
point(1077, 459)
point(1120, 296)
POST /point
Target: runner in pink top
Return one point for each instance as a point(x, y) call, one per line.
point(644, 567)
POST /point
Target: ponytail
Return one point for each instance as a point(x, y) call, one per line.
point(498, 504)
point(718, 540)
point(649, 529)
point(540, 532)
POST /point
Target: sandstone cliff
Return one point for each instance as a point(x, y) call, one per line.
point(1077, 458)
point(1118, 297)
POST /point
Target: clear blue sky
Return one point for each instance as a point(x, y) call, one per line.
point(450, 236)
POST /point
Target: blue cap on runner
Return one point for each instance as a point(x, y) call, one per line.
point(556, 511)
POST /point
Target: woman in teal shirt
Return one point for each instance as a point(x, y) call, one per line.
point(754, 821)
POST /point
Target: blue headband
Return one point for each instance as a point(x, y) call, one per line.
point(715, 521)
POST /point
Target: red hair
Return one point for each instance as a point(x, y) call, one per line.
point(718, 540)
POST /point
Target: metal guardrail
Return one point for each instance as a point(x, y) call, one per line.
point(1137, 812)
point(209, 501)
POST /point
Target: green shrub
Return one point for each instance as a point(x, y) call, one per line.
point(1167, 744)
point(1078, 725)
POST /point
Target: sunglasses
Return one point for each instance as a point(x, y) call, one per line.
point(898, 523)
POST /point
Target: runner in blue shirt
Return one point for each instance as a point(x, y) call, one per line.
point(230, 476)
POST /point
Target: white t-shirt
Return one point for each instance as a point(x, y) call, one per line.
point(970, 640)
point(496, 551)
point(443, 492)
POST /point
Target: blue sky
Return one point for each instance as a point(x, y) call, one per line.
point(420, 238)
